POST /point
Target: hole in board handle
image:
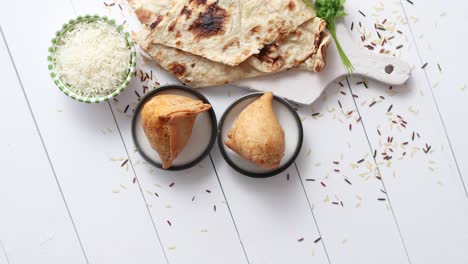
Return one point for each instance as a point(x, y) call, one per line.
point(389, 69)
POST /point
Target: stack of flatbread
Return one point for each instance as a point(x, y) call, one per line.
point(214, 42)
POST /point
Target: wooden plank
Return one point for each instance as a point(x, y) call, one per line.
point(81, 140)
point(392, 233)
point(34, 223)
point(266, 230)
point(420, 174)
point(385, 220)
point(446, 66)
point(3, 256)
point(337, 170)
point(272, 215)
point(188, 207)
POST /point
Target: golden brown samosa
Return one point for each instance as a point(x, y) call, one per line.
point(256, 134)
point(168, 121)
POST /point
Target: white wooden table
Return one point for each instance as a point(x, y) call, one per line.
point(65, 198)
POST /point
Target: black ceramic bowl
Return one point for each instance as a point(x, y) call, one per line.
point(200, 143)
point(289, 120)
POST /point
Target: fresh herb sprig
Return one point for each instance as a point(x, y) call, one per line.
point(330, 10)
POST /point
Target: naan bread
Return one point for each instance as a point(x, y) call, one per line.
point(151, 12)
point(226, 31)
point(293, 49)
point(196, 71)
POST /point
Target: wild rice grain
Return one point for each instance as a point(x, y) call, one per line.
point(389, 108)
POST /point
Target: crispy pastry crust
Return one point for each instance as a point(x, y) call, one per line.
point(167, 121)
point(256, 134)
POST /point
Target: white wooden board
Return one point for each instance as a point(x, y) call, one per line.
point(338, 173)
point(270, 213)
point(81, 141)
point(422, 182)
point(417, 213)
point(34, 224)
point(446, 67)
point(181, 222)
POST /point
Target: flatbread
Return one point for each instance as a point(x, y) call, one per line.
point(151, 12)
point(193, 70)
point(197, 71)
point(292, 50)
point(226, 31)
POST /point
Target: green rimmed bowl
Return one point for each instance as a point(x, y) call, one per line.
point(63, 86)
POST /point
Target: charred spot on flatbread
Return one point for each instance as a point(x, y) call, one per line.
point(318, 40)
point(269, 53)
point(172, 25)
point(156, 22)
point(186, 11)
point(291, 6)
point(177, 69)
point(233, 42)
point(210, 23)
point(145, 16)
point(255, 29)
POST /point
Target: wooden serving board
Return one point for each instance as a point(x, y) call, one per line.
point(305, 87)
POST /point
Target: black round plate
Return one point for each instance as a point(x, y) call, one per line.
point(284, 165)
point(136, 125)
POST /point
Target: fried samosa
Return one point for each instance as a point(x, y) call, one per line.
point(167, 121)
point(256, 134)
